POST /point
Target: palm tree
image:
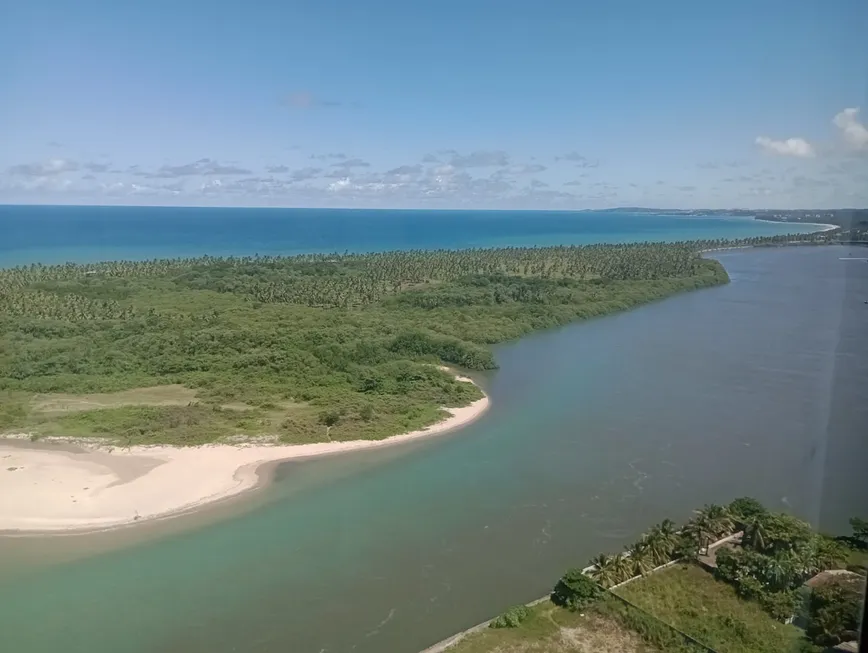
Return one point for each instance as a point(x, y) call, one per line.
point(622, 568)
point(755, 533)
point(603, 572)
point(661, 541)
point(718, 519)
point(829, 554)
point(701, 531)
point(641, 558)
point(780, 572)
point(667, 527)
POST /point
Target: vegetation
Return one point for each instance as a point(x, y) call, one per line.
point(691, 600)
point(552, 629)
point(307, 348)
point(745, 606)
point(860, 531)
point(512, 618)
point(575, 590)
point(653, 631)
point(743, 508)
point(835, 611)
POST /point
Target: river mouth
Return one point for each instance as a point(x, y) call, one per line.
point(596, 431)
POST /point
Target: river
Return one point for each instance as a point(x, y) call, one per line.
point(596, 430)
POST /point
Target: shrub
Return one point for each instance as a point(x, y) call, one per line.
point(836, 607)
point(575, 590)
point(782, 606)
point(329, 418)
point(512, 618)
point(11, 414)
point(749, 588)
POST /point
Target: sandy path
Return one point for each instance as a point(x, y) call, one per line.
point(61, 488)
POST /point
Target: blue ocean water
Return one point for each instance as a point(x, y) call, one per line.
point(57, 234)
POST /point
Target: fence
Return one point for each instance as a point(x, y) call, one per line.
point(445, 644)
point(647, 616)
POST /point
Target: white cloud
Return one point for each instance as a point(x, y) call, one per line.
point(854, 132)
point(341, 184)
point(47, 169)
point(200, 167)
point(480, 159)
point(797, 147)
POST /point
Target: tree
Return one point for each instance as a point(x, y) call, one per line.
point(622, 568)
point(835, 609)
point(687, 545)
point(642, 560)
point(743, 508)
point(329, 418)
point(718, 519)
point(820, 553)
point(785, 532)
point(603, 572)
point(755, 532)
point(779, 573)
point(575, 590)
point(702, 531)
point(661, 541)
point(860, 530)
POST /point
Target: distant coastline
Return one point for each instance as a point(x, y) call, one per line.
point(823, 226)
point(55, 490)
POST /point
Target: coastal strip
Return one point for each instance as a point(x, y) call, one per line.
point(61, 489)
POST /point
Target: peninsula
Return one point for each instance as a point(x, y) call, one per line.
point(154, 387)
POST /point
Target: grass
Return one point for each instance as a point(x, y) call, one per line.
point(690, 599)
point(164, 395)
point(858, 557)
point(550, 629)
point(174, 415)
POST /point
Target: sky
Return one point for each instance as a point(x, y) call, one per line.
point(551, 104)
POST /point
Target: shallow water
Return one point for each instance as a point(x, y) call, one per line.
point(596, 430)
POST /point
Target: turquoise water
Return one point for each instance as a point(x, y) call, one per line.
point(595, 430)
point(56, 234)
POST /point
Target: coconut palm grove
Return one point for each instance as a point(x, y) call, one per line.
point(306, 348)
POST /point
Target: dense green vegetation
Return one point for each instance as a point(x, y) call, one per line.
point(308, 348)
point(835, 610)
point(738, 607)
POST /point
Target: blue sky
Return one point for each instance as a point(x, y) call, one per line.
point(457, 103)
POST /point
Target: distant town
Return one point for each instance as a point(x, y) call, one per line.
point(853, 222)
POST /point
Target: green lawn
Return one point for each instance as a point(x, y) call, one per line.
point(690, 599)
point(551, 629)
point(858, 557)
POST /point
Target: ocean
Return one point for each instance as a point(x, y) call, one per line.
point(596, 430)
point(80, 234)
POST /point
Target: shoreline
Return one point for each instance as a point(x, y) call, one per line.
point(63, 489)
point(825, 226)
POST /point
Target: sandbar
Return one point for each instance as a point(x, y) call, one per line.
point(48, 488)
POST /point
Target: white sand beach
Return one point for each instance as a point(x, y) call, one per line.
point(47, 489)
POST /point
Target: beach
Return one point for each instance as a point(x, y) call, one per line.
point(56, 488)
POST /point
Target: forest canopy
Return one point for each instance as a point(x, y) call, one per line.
point(308, 348)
